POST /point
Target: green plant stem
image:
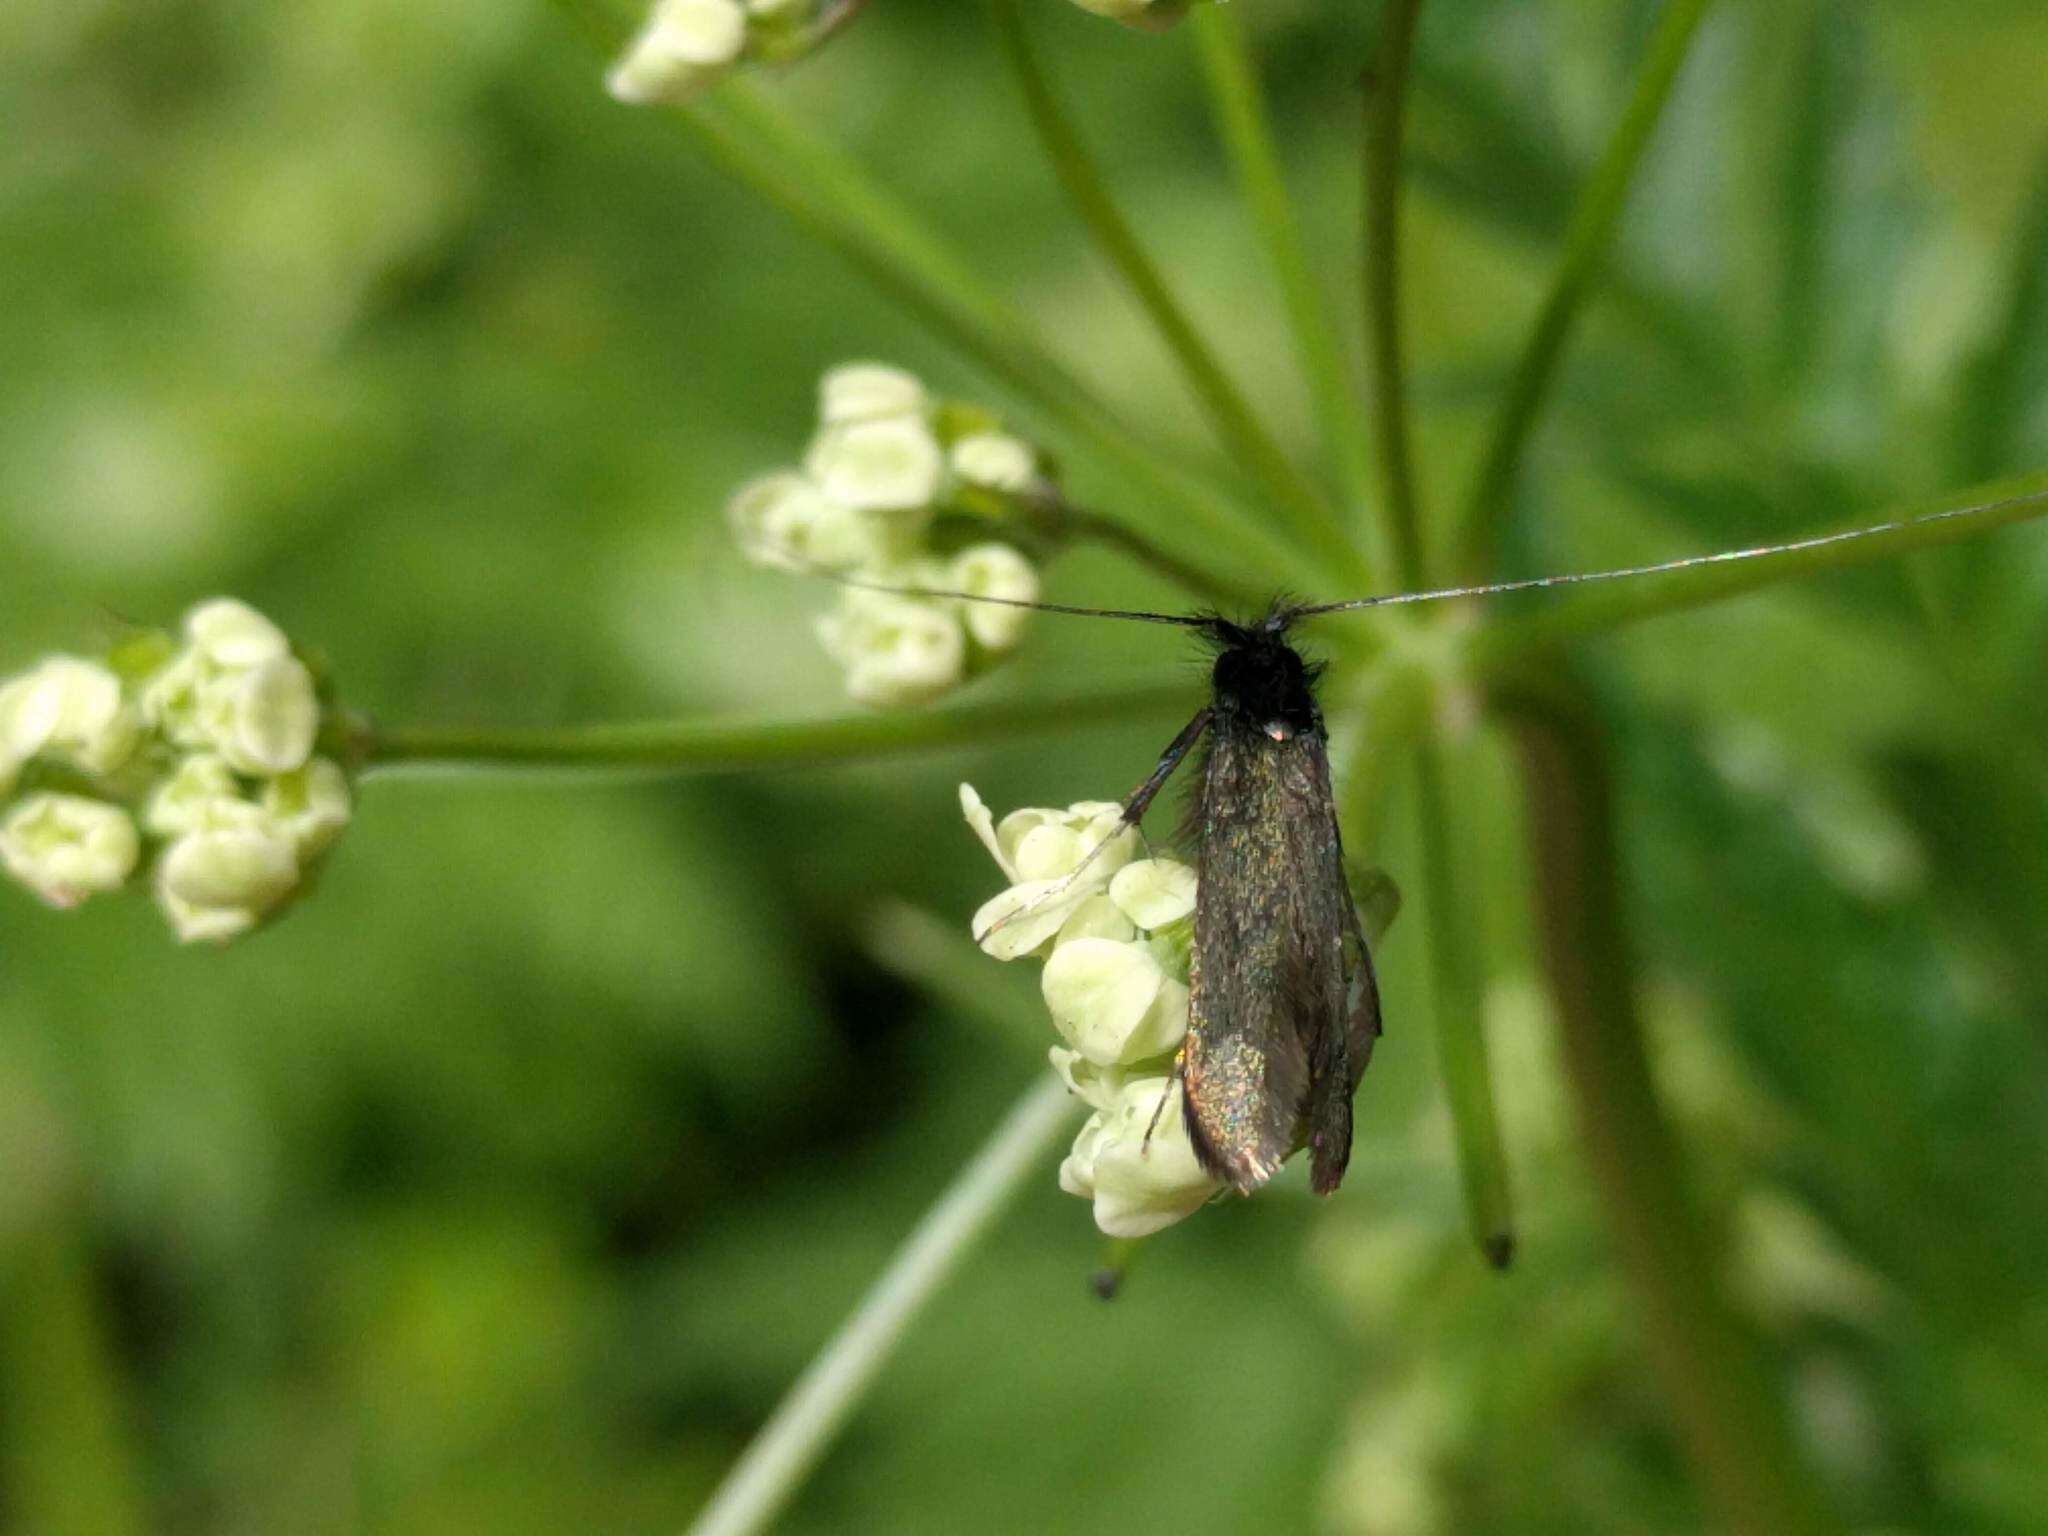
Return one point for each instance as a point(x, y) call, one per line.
point(1310, 518)
point(1386, 97)
point(778, 1459)
point(1586, 242)
point(1097, 528)
point(1712, 1372)
point(702, 746)
point(1970, 514)
point(1239, 108)
point(835, 203)
point(1458, 993)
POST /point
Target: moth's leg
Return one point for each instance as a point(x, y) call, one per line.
point(1135, 805)
point(1141, 798)
point(1180, 1059)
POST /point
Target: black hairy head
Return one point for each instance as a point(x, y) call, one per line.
point(1260, 682)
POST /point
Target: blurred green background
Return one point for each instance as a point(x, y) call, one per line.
point(507, 1185)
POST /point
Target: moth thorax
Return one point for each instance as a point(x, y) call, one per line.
point(1265, 686)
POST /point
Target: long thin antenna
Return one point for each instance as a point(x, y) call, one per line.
point(810, 568)
point(1662, 567)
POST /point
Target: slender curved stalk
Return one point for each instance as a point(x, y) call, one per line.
point(839, 206)
point(1713, 1374)
point(1387, 94)
point(1098, 528)
point(1239, 108)
point(1458, 994)
point(700, 746)
point(778, 1459)
point(1310, 518)
point(1586, 241)
point(829, 197)
point(1698, 581)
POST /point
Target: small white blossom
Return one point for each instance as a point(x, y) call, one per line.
point(233, 636)
point(1092, 1083)
point(263, 720)
point(310, 806)
point(1112, 1001)
point(217, 885)
point(1134, 1160)
point(784, 521)
point(868, 392)
point(201, 793)
point(995, 460)
point(1112, 930)
point(1154, 892)
point(892, 465)
point(997, 571)
point(895, 650)
point(684, 46)
point(68, 708)
point(66, 847)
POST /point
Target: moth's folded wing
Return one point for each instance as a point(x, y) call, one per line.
point(1265, 980)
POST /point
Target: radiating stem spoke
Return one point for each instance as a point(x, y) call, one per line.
point(1240, 111)
point(1309, 517)
point(1458, 987)
point(1386, 99)
point(699, 746)
point(1586, 243)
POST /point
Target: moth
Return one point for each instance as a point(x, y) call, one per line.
point(1284, 1008)
point(1283, 1005)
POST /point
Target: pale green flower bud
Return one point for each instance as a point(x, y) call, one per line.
point(311, 806)
point(170, 700)
point(994, 570)
point(1154, 892)
point(785, 522)
point(66, 847)
point(217, 885)
point(995, 460)
point(202, 794)
point(1093, 1084)
point(230, 634)
point(684, 46)
point(1025, 919)
point(1097, 918)
point(69, 708)
point(1134, 1160)
point(1058, 863)
point(263, 720)
point(868, 392)
point(895, 650)
point(893, 465)
point(1113, 1002)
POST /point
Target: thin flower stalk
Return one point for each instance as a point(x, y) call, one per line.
point(1311, 521)
point(1239, 108)
point(1587, 240)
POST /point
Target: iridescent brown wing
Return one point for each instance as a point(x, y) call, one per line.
point(1266, 1059)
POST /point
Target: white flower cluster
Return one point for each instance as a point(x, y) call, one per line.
point(1114, 931)
point(1147, 15)
point(891, 492)
point(686, 45)
point(195, 759)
